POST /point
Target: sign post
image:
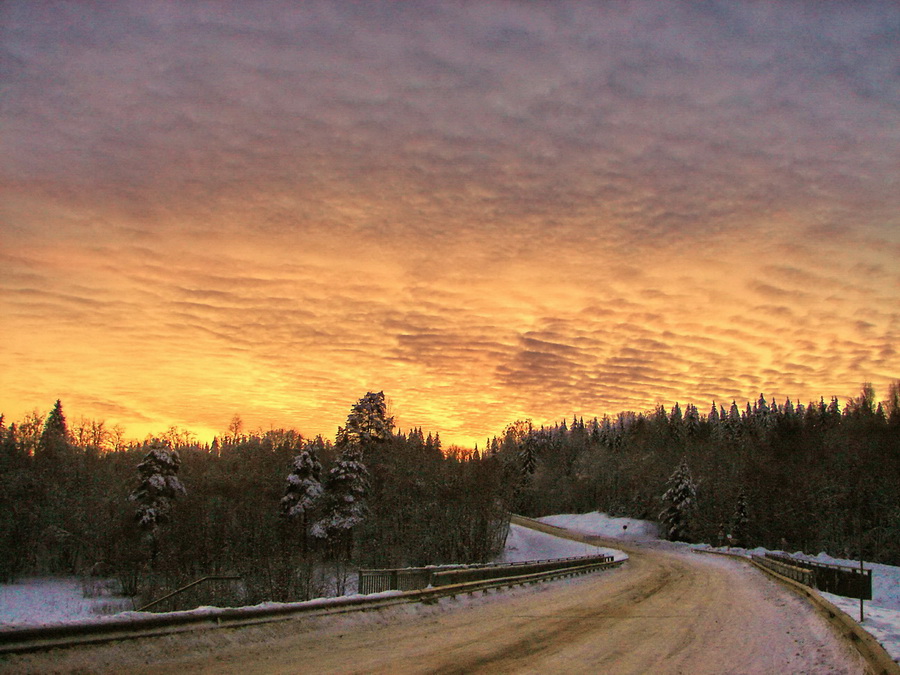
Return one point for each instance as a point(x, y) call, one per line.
point(861, 601)
point(861, 568)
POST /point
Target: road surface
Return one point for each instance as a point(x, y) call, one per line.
point(665, 611)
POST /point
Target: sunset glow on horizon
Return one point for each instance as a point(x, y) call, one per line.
point(490, 210)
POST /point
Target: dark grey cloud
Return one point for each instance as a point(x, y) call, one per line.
point(556, 205)
point(327, 96)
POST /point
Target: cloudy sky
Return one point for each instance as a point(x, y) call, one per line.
point(490, 210)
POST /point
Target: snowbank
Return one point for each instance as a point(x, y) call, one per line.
point(880, 622)
point(525, 544)
point(315, 602)
point(601, 525)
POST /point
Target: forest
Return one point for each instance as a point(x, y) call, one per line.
point(290, 515)
point(293, 515)
point(789, 476)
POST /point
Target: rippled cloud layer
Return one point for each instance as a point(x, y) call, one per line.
point(490, 210)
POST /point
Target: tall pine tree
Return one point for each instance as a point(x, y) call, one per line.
point(680, 499)
point(54, 444)
point(367, 422)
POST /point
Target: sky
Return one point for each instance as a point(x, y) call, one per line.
point(489, 210)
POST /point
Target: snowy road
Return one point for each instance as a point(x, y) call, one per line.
point(666, 611)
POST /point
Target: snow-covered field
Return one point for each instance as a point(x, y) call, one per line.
point(30, 602)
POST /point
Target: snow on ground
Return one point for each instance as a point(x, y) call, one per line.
point(882, 612)
point(880, 622)
point(601, 525)
point(524, 544)
point(41, 601)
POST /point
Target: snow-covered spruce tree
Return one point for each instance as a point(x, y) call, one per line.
point(159, 486)
point(681, 500)
point(303, 491)
point(344, 502)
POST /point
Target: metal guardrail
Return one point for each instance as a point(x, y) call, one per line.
point(446, 577)
point(850, 582)
point(19, 640)
point(799, 574)
point(414, 578)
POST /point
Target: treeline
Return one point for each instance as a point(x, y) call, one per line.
point(292, 515)
point(289, 514)
point(816, 477)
